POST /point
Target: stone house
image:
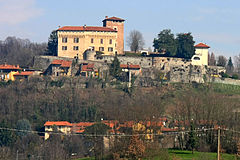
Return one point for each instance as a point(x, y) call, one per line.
point(59, 68)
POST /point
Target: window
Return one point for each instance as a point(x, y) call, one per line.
point(110, 41)
point(196, 58)
point(110, 49)
point(64, 40)
point(76, 40)
point(101, 41)
point(92, 40)
point(101, 48)
point(64, 48)
point(75, 48)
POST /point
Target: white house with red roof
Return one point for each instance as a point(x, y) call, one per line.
point(201, 55)
point(60, 126)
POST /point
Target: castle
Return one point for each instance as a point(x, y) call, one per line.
point(75, 40)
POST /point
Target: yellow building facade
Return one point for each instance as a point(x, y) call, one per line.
point(75, 40)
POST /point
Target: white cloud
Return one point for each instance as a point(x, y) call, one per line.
point(17, 11)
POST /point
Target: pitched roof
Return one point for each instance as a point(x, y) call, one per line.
point(57, 123)
point(130, 66)
point(201, 45)
point(24, 73)
point(63, 63)
point(7, 66)
point(87, 67)
point(84, 124)
point(86, 28)
point(113, 19)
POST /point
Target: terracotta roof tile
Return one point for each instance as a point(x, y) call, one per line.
point(86, 28)
point(24, 73)
point(130, 66)
point(114, 19)
point(87, 67)
point(63, 63)
point(7, 66)
point(57, 123)
point(201, 45)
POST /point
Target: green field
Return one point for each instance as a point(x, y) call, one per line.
point(187, 155)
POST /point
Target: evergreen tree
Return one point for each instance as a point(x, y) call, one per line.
point(230, 67)
point(52, 44)
point(115, 69)
point(185, 45)
point(165, 42)
point(192, 139)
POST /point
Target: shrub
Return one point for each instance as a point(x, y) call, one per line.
point(234, 76)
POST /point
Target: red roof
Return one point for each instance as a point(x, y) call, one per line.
point(7, 66)
point(57, 123)
point(130, 66)
point(84, 124)
point(86, 28)
point(87, 67)
point(113, 19)
point(63, 63)
point(24, 73)
point(201, 45)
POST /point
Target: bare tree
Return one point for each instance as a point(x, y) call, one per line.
point(222, 61)
point(135, 40)
point(237, 63)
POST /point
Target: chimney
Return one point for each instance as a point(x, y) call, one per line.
point(106, 17)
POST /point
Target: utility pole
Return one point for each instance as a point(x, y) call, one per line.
point(17, 155)
point(218, 148)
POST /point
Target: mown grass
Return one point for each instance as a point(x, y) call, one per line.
point(186, 155)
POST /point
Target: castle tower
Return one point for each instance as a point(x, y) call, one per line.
point(201, 54)
point(118, 25)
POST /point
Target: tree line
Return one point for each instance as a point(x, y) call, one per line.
point(29, 104)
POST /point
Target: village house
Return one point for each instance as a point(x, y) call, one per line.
point(201, 54)
point(7, 71)
point(88, 70)
point(73, 41)
point(59, 68)
point(60, 126)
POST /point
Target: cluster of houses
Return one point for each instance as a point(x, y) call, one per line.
point(115, 127)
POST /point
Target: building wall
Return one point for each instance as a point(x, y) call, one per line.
point(85, 42)
point(202, 53)
point(63, 129)
point(119, 26)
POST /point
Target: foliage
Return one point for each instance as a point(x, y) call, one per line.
point(235, 76)
point(185, 45)
point(136, 148)
point(97, 129)
point(135, 41)
point(52, 44)
point(115, 69)
point(132, 54)
point(165, 43)
point(25, 125)
point(6, 137)
point(192, 139)
point(230, 67)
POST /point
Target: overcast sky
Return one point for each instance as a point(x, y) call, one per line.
point(214, 22)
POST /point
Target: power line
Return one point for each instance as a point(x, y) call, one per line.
point(104, 135)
